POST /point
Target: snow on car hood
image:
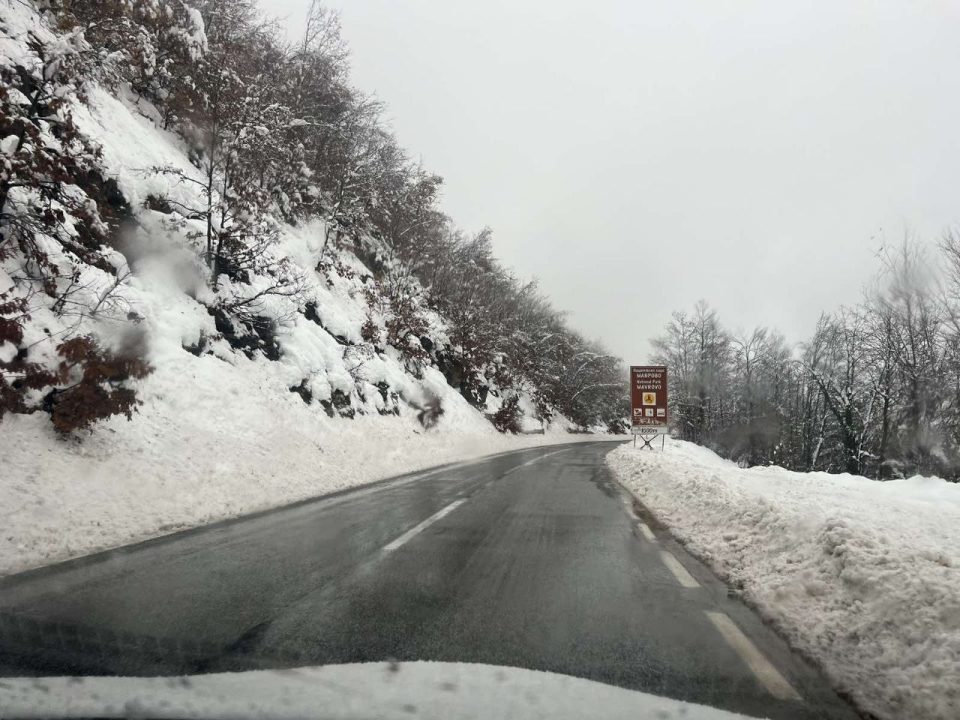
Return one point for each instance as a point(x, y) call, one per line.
point(412, 691)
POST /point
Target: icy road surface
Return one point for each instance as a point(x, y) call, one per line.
point(532, 559)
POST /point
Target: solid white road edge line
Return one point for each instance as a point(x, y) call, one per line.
point(648, 534)
point(412, 532)
point(678, 570)
point(766, 673)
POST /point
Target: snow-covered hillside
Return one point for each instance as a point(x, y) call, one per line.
point(232, 417)
point(863, 576)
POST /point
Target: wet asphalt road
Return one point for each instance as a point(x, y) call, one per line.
point(532, 559)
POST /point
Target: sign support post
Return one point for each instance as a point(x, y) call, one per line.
point(649, 405)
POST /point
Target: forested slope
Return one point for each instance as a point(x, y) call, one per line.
point(224, 284)
point(243, 140)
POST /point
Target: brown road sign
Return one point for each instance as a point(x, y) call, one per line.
point(648, 396)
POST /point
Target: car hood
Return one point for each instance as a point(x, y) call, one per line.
point(416, 690)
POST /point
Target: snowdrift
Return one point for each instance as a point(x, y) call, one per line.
point(860, 575)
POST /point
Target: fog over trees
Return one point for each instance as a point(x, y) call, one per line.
point(874, 391)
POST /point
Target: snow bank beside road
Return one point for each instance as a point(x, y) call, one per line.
point(864, 576)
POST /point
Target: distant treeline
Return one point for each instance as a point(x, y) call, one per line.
point(875, 391)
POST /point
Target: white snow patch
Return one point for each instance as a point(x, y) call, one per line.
point(8, 351)
point(9, 144)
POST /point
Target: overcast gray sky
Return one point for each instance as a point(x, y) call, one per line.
point(638, 156)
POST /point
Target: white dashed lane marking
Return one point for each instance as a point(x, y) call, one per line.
point(416, 530)
point(648, 534)
point(678, 570)
point(531, 462)
point(766, 673)
point(644, 528)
